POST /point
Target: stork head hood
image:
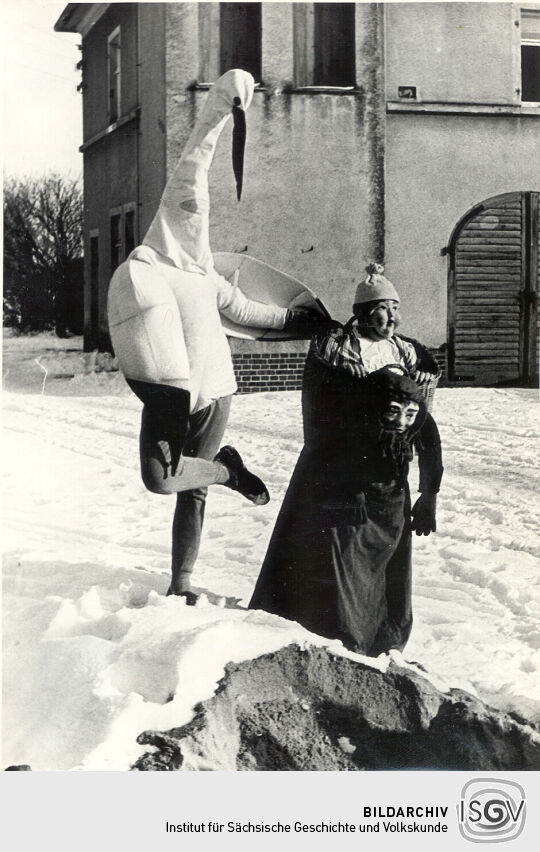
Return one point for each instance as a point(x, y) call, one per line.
point(180, 229)
point(233, 84)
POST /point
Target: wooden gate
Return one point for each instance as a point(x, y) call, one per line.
point(493, 281)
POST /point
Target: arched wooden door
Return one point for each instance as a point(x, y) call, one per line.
point(493, 282)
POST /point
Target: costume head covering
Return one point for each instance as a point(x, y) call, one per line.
point(375, 287)
point(179, 231)
point(386, 384)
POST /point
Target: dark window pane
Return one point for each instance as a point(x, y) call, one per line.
point(114, 78)
point(129, 232)
point(94, 289)
point(334, 44)
point(240, 25)
point(530, 72)
point(116, 242)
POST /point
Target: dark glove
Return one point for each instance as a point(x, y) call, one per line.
point(423, 514)
point(303, 321)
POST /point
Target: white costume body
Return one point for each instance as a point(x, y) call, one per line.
point(165, 300)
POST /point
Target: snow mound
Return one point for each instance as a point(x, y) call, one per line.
point(306, 709)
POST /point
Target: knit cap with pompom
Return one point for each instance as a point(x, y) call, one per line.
point(375, 287)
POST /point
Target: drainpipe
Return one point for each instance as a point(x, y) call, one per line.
point(377, 119)
point(371, 103)
point(139, 107)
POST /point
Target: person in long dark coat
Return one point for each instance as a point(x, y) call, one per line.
point(339, 559)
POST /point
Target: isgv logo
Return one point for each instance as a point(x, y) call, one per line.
point(491, 810)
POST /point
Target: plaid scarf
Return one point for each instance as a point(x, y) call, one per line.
point(342, 348)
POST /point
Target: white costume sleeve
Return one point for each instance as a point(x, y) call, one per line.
point(237, 307)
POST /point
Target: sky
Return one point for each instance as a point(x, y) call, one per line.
point(42, 110)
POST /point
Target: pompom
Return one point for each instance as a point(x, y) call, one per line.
point(374, 269)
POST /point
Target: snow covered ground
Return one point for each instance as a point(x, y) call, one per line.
point(94, 652)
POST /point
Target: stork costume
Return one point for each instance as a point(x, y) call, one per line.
point(164, 308)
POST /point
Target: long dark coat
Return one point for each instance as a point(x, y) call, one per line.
point(339, 559)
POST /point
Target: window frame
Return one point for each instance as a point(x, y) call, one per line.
point(305, 58)
point(225, 39)
point(116, 213)
point(527, 42)
point(112, 38)
point(211, 43)
point(130, 208)
point(94, 296)
point(121, 211)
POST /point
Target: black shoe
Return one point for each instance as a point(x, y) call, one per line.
point(241, 479)
point(191, 597)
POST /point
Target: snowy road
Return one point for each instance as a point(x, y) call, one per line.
point(91, 642)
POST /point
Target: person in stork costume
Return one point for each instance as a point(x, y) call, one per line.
point(164, 307)
point(340, 557)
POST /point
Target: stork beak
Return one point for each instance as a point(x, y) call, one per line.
point(238, 145)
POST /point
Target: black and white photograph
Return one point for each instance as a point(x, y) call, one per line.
point(270, 399)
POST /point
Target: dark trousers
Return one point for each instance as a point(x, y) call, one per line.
point(176, 452)
point(203, 440)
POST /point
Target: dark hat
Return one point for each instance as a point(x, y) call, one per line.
point(386, 384)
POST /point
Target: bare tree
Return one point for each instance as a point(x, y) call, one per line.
point(43, 253)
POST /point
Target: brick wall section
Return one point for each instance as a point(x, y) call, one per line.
point(268, 365)
point(258, 372)
point(279, 366)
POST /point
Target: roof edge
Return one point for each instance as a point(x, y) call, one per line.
point(80, 17)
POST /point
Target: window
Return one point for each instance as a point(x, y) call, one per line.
point(129, 231)
point(334, 44)
point(123, 233)
point(530, 55)
point(114, 74)
point(324, 44)
point(116, 241)
point(240, 37)
point(94, 286)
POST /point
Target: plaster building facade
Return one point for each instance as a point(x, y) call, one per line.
point(403, 132)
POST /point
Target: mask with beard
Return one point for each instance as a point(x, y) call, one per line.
point(399, 409)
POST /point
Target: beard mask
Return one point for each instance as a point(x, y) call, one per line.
point(400, 411)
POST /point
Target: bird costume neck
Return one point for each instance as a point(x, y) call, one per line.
point(179, 232)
